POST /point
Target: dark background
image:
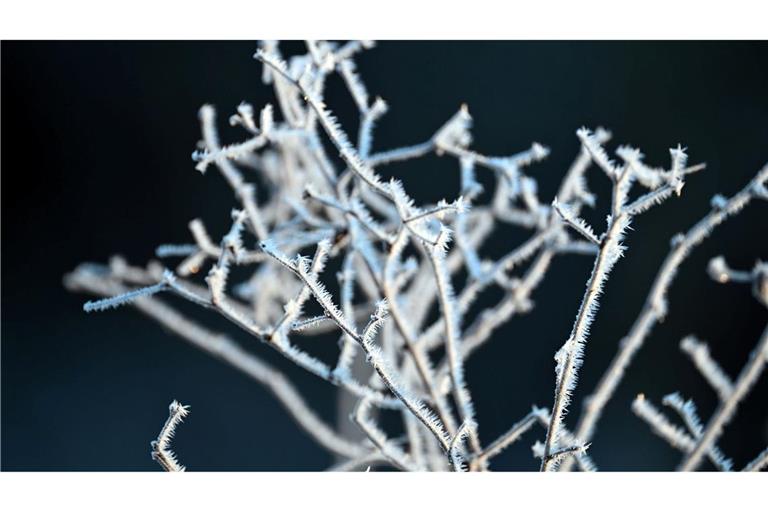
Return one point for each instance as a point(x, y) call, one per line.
point(96, 143)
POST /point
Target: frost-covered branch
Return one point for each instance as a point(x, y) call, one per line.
point(569, 357)
point(578, 224)
point(455, 449)
point(161, 447)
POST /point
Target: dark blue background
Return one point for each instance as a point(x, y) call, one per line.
point(96, 143)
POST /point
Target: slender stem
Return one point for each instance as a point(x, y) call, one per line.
point(509, 437)
point(655, 306)
point(451, 317)
point(758, 462)
point(571, 358)
point(161, 447)
point(387, 448)
point(420, 358)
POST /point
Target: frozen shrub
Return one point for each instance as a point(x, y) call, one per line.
point(399, 260)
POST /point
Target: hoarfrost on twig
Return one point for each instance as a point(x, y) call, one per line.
point(161, 447)
point(411, 273)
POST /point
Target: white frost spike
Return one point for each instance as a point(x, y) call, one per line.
point(442, 241)
point(439, 212)
point(273, 61)
point(323, 296)
point(377, 319)
point(653, 198)
point(413, 403)
point(577, 223)
point(421, 226)
point(270, 247)
point(382, 309)
point(560, 454)
point(161, 447)
point(596, 151)
point(457, 444)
